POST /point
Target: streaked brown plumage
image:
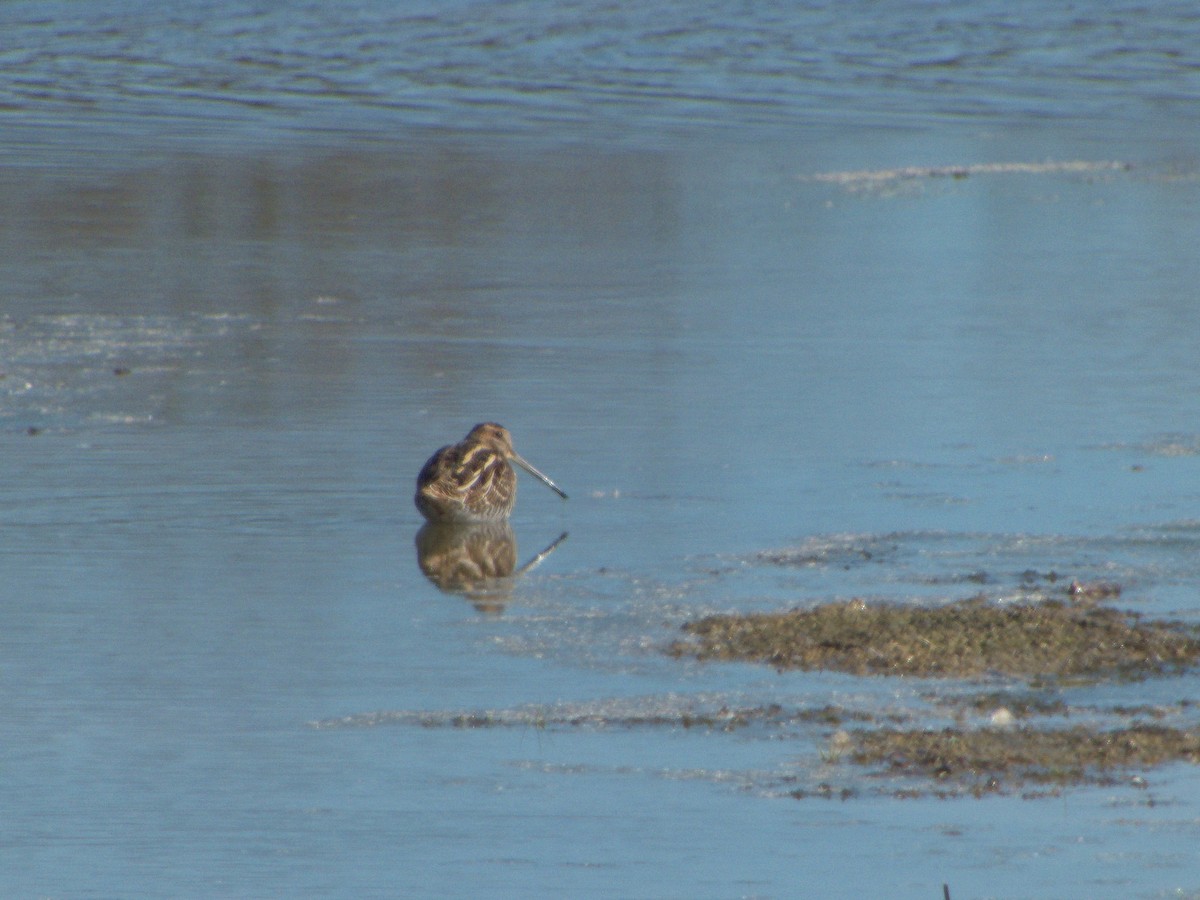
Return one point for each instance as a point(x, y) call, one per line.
point(472, 481)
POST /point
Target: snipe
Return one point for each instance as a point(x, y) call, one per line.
point(473, 481)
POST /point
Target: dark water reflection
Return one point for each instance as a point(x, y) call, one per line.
point(256, 234)
point(450, 260)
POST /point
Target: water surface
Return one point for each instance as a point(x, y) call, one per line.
point(259, 263)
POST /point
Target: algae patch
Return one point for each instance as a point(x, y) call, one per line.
point(963, 639)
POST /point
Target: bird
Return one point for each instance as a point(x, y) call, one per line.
point(473, 481)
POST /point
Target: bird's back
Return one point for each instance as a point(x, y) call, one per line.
point(466, 482)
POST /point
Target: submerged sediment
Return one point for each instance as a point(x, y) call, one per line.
point(963, 639)
point(994, 759)
point(1052, 643)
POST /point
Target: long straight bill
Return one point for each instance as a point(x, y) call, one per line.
point(539, 476)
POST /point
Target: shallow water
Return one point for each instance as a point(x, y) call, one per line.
point(894, 304)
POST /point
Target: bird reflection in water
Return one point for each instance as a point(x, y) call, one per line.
point(476, 559)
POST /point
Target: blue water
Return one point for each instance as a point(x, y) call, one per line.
point(713, 268)
point(595, 69)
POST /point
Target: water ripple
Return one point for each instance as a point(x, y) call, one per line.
point(516, 64)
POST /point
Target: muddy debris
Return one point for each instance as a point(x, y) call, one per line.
point(994, 760)
point(965, 639)
point(1093, 591)
point(1020, 704)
